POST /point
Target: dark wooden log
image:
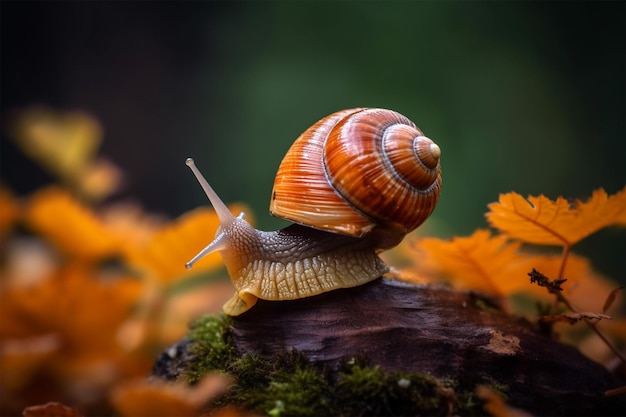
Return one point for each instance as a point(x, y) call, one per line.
point(448, 334)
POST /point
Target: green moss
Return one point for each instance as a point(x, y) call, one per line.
point(486, 306)
point(288, 385)
point(376, 392)
point(212, 347)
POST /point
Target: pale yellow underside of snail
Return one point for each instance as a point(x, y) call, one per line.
point(355, 183)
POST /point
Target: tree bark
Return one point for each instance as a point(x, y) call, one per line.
point(451, 335)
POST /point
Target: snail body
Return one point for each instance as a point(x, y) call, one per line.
point(355, 183)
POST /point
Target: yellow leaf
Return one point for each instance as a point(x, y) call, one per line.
point(66, 143)
point(480, 262)
point(62, 142)
point(540, 220)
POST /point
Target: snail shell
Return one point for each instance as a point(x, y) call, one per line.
point(358, 169)
point(355, 183)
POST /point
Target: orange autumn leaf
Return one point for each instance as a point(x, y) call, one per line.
point(21, 358)
point(540, 220)
point(158, 398)
point(175, 244)
point(70, 226)
point(494, 265)
point(82, 310)
point(585, 289)
point(133, 226)
point(65, 328)
point(481, 262)
point(496, 405)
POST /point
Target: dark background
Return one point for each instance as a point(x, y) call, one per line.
point(520, 96)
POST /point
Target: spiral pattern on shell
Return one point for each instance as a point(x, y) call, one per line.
point(357, 169)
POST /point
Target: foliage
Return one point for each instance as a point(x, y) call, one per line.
point(91, 292)
point(500, 264)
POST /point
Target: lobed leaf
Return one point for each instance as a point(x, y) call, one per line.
point(542, 221)
point(495, 265)
point(481, 262)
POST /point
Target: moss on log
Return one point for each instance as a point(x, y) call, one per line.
point(404, 342)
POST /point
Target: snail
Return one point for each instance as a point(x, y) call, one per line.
point(353, 184)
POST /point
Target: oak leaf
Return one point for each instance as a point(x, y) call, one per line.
point(542, 221)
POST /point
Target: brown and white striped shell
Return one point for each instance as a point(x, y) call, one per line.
point(369, 176)
point(357, 169)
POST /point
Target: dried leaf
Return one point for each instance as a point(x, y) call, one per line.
point(610, 299)
point(540, 220)
point(573, 318)
point(480, 262)
point(594, 347)
point(51, 409)
point(585, 288)
point(553, 285)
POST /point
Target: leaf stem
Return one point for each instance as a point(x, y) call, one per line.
point(560, 297)
point(593, 326)
point(566, 249)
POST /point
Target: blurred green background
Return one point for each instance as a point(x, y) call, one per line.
point(520, 96)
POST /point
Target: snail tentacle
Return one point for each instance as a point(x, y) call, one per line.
point(355, 183)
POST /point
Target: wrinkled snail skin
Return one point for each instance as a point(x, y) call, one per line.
point(331, 173)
